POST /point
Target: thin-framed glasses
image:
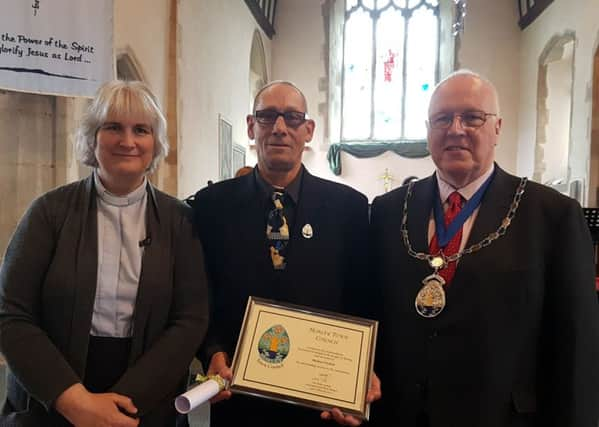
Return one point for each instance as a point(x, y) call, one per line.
point(269, 117)
point(468, 119)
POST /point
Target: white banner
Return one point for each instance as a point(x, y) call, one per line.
point(56, 47)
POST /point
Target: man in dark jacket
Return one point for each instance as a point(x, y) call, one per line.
point(283, 234)
point(488, 315)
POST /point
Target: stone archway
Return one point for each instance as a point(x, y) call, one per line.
point(258, 73)
point(258, 77)
point(554, 110)
point(127, 66)
point(593, 196)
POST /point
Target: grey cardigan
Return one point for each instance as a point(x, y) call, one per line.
point(47, 291)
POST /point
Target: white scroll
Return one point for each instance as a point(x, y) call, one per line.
point(196, 396)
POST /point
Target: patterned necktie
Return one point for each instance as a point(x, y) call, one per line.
point(455, 205)
point(277, 232)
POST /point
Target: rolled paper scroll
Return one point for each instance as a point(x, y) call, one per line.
point(208, 387)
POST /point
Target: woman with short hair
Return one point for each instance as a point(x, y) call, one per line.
point(103, 295)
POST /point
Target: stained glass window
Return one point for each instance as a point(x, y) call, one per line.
point(390, 66)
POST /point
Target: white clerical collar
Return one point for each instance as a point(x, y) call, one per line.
point(121, 201)
point(445, 189)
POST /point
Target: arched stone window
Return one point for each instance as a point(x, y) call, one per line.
point(385, 58)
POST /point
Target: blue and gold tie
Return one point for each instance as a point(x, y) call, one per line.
point(277, 232)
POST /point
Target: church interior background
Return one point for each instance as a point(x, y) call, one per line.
point(205, 60)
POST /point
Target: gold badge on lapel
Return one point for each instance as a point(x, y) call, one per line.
point(307, 231)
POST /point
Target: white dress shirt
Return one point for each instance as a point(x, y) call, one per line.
point(121, 227)
point(445, 189)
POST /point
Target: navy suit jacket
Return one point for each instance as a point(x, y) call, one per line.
point(325, 271)
point(517, 343)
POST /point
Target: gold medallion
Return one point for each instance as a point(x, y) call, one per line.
point(430, 300)
point(437, 262)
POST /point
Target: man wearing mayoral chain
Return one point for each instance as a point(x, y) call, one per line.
point(278, 233)
point(488, 315)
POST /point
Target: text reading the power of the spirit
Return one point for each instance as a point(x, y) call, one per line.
point(22, 46)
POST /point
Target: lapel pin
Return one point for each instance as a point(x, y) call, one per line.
point(307, 231)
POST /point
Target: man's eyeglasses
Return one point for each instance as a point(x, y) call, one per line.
point(468, 119)
point(269, 117)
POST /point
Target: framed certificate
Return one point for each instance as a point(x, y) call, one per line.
point(305, 356)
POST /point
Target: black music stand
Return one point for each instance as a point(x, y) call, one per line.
point(592, 217)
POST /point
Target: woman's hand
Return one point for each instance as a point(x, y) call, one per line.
point(85, 409)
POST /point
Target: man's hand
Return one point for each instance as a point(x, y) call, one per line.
point(219, 366)
point(85, 409)
point(374, 393)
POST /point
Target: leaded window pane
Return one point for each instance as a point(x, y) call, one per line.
point(357, 76)
point(350, 3)
point(389, 75)
point(368, 4)
point(390, 66)
point(421, 66)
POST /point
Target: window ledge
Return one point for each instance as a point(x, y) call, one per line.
point(412, 149)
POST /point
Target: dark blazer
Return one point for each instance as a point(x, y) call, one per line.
point(325, 271)
point(518, 341)
point(47, 291)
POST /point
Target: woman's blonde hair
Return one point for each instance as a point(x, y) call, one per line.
point(117, 99)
